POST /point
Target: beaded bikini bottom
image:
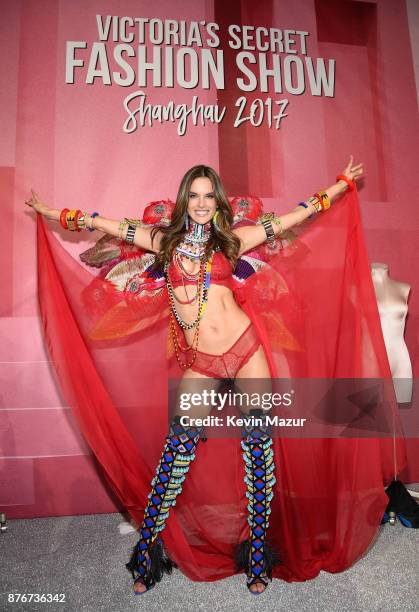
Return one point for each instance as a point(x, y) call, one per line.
point(229, 363)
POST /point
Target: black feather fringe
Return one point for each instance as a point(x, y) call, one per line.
point(242, 558)
point(161, 563)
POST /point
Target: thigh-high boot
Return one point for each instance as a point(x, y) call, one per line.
point(149, 560)
point(254, 555)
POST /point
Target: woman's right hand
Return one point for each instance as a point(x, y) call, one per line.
point(36, 203)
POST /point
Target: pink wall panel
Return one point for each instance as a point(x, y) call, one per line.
point(298, 149)
point(34, 137)
point(54, 486)
point(41, 433)
point(9, 71)
point(7, 176)
point(17, 482)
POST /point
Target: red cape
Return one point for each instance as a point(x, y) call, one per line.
point(315, 310)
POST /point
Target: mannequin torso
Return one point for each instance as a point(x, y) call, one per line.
point(392, 305)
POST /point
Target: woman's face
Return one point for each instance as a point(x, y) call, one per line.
point(201, 204)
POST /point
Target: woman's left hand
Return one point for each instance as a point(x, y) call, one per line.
point(353, 172)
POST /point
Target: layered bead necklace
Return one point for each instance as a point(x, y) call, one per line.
point(192, 247)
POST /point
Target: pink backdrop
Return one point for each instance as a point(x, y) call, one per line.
point(66, 141)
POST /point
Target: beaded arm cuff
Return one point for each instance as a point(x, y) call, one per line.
point(130, 234)
point(267, 219)
point(269, 230)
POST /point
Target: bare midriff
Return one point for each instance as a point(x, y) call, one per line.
point(223, 321)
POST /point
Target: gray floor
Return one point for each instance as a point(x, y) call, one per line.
point(83, 557)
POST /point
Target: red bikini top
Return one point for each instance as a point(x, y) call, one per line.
point(221, 272)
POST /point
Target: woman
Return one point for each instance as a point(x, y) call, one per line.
point(198, 252)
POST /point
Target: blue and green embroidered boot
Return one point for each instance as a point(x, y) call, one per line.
point(149, 561)
point(254, 555)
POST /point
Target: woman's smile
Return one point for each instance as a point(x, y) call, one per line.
point(201, 212)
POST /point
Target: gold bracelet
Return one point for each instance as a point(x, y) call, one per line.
point(273, 218)
point(137, 222)
point(88, 221)
point(123, 224)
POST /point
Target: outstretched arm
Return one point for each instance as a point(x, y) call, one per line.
point(251, 237)
point(142, 236)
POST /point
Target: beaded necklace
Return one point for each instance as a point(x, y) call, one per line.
point(188, 299)
point(174, 315)
point(195, 240)
point(193, 247)
point(204, 281)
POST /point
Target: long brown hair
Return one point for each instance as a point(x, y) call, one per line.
point(222, 238)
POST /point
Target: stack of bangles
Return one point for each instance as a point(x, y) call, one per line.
point(320, 202)
point(76, 220)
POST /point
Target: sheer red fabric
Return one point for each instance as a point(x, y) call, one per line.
point(315, 312)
